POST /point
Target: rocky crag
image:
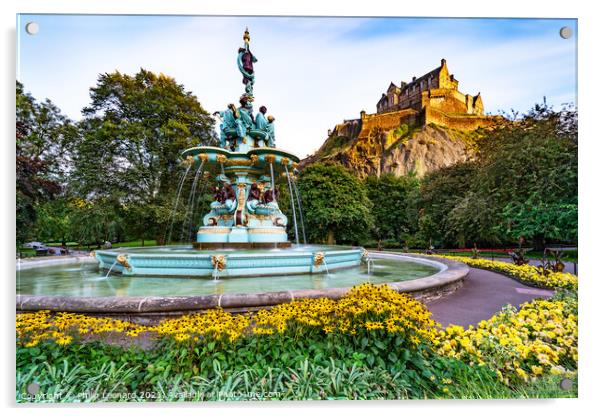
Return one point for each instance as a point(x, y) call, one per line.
point(401, 150)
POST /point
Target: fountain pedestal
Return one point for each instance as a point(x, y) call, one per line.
point(245, 213)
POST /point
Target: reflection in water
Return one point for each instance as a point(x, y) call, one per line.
point(87, 280)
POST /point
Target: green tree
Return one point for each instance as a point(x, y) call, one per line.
point(440, 193)
point(522, 181)
point(55, 220)
point(94, 222)
point(42, 158)
point(391, 197)
point(542, 221)
point(133, 133)
point(336, 205)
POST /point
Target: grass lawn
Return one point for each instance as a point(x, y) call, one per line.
point(136, 243)
point(59, 244)
point(569, 256)
point(26, 252)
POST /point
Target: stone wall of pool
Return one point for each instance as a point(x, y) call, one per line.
point(150, 309)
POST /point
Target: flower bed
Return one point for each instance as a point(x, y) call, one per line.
point(364, 308)
point(373, 333)
point(540, 338)
point(530, 275)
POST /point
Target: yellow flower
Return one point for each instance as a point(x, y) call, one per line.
point(64, 340)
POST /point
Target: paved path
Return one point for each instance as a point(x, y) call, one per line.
point(483, 294)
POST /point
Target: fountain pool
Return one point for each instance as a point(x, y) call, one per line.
point(88, 280)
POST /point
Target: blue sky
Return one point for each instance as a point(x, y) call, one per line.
point(311, 72)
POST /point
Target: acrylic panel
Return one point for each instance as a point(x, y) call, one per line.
point(221, 208)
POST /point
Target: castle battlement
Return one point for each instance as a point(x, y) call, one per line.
point(437, 89)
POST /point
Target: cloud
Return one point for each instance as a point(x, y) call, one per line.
point(311, 72)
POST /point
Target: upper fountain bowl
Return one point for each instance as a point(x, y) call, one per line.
point(256, 160)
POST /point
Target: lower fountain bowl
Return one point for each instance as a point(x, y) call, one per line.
point(213, 234)
point(264, 262)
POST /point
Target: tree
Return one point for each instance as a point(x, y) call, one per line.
point(93, 222)
point(542, 221)
point(391, 197)
point(336, 204)
point(133, 133)
point(528, 169)
point(522, 181)
point(55, 220)
point(440, 193)
point(42, 134)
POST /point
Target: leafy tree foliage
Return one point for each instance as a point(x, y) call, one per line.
point(523, 182)
point(336, 204)
point(41, 157)
point(391, 197)
point(131, 138)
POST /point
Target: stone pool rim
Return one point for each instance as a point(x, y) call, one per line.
point(450, 276)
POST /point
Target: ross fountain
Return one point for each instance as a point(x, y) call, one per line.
point(245, 216)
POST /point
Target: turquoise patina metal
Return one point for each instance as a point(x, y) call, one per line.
point(229, 264)
point(245, 210)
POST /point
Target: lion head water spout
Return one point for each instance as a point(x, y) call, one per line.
point(219, 264)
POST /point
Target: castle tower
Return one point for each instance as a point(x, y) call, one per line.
point(437, 89)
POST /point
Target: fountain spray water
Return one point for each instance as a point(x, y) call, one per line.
point(215, 274)
point(111, 268)
point(326, 267)
point(196, 205)
point(300, 210)
point(370, 264)
point(175, 206)
point(189, 206)
point(290, 190)
point(273, 186)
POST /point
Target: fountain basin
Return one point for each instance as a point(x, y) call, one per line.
point(223, 263)
point(127, 299)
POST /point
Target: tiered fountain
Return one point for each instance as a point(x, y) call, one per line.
point(245, 215)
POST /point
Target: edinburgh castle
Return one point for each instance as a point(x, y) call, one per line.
point(431, 98)
point(418, 126)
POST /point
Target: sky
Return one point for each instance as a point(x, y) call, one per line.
point(312, 72)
